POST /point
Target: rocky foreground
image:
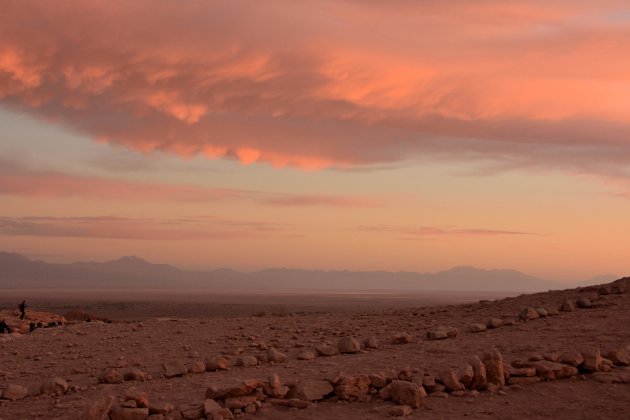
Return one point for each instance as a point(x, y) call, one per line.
point(560, 354)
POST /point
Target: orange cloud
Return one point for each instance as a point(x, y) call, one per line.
point(525, 83)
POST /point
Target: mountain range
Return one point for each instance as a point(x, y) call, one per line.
point(20, 272)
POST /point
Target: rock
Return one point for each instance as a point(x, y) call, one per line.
point(607, 378)
point(124, 413)
point(301, 404)
point(480, 378)
point(378, 380)
point(567, 306)
point(239, 389)
point(135, 374)
point(99, 410)
point(239, 402)
point(174, 368)
point(353, 387)
point(349, 345)
point(53, 386)
point(528, 313)
point(371, 342)
point(572, 358)
point(325, 350)
point(197, 367)
point(211, 408)
point(439, 394)
point(192, 411)
point(477, 328)
point(311, 390)
point(407, 393)
point(451, 381)
point(402, 338)
point(110, 376)
point(552, 370)
point(275, 356)
point(592, 359)
point(494, 367)
point(399, 411)
point(14, 392)
point(217, 363)
point(553, 312)
point(494, 323)
point(161, 408)
point(139, 397)
point(542, 312)
point(306, 355)
point(552, 356)
point(442, 332)
point(583, 302)
point(466, 376)
point(247, 361)
point(619, 356)
point(525, 371)
point(522, 380)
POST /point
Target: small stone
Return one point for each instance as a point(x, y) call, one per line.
point(306, 355)
point(217, 363)
point(325, 350)
point(542, 312)
point(174, 368)
point(528, 313)
point(480, 378)
point(494, 323)
point(353, 387)
point(399, 411)
point(583, 303)
point(124, 413)
point(377, 380)
point(607, 378)
point(477, 328)
point(567, 306)
point(572, 358)
point(466, 376)
point(247, 361)
point(275, 356)
point(239, 402)
point(211, 407)
point(619, 356)
point(135, 374)
point(139, 397)
point(197, 367)
point(592, 359)
point(53, 386)
point(349, 345)
point(371, 342)
point(402, 338)
point(14, 392)
point(451, 381)
point(110, 376)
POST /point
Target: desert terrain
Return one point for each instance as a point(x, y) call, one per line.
point(557, 354)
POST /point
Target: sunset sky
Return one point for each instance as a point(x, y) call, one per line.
point(329, 134)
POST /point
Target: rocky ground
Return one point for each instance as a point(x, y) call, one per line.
point(559, 354)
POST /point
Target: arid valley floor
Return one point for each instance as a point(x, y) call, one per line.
point(419, 360)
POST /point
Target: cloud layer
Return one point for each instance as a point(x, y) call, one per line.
point(318, 84)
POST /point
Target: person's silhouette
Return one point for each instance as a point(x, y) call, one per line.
point(22, 308)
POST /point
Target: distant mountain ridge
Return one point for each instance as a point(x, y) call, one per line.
point(131, 272)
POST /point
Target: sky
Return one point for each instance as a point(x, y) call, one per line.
point(328, 134)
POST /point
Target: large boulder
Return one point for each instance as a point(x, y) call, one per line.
point(480, 378)
point(174, 368)
point(325, 350)
point(349, 345)
point(353, 387)
point(451, 381)
point(99, 409)
point(311, 390)
point(528, 313)
point(592, 359)
point(407, 393)
point(110, 376)
point(494, 368)
point(217, 363)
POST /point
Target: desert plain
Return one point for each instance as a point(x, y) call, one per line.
point(556, 354)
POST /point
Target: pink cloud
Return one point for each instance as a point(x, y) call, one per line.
point(317, 84)
point(16, 180)
point(113, 227)
point(434, 232)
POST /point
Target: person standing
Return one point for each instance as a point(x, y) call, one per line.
point(22, 308)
